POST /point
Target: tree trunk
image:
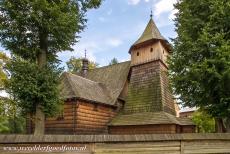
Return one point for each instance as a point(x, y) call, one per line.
point(41, 61)
point(39, 121)
point(227, 125)
point(219, 125)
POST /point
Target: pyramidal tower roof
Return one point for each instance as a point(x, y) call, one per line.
point(150, 33)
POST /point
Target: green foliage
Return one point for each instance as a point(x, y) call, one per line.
point(200, 63)
point(34, 31)
point(17, 124)
point(4, 125)
point(113, 61)
point(204, 122)
point(11, 120)
point(3, 75)
point(75, 64)
point(30, 84)
point(25, 22)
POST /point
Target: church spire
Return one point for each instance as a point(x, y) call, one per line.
point(151, 14)
point(151, 33)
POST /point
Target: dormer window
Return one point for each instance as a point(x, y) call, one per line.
point(138, 53)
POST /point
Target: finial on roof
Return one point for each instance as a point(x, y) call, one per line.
point(85, 65)
point(151, 14)
point(85, 53)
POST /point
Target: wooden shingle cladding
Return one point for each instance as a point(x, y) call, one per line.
point(75, 86)
point(148, 89)
point(103, 85)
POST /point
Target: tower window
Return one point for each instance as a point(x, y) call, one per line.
point(151, 50)
point(163, 51)
point(138, 53)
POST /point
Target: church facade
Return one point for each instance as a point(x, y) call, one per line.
point(131, 97)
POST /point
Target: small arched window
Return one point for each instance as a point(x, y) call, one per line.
point(138, 53)
point(151, 49)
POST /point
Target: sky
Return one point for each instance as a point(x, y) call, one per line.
point(116, 25)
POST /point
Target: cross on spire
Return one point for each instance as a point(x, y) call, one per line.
point(85, 53)
point(151, 14)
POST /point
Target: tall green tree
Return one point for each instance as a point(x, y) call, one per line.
point(35, 31)
point(75, 64)
point(113, 61)
point(3, 73)
point(200, 63)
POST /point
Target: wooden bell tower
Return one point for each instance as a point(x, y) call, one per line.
point(149, 89)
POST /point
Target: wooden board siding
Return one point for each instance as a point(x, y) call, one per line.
point(91, 118)
point(146, 55)
point(150, 129)
point(147, 129)
point(124, 144)
point(78, 117)
point(137, 148)
point(63, 123)
point(187, 129)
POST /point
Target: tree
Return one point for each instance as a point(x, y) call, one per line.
point(75, 64)
point(35, 31)
point(3, 74)
point(200, 63)
point(204, 122)
point(11, 119)
point(113, 61)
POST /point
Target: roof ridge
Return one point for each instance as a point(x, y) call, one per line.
point(110, 65)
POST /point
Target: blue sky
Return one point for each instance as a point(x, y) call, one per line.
point(116, 25)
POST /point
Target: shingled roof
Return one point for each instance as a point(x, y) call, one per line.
point(113, 77)
point(102, 85)
point(148, 118)
point(151, 33)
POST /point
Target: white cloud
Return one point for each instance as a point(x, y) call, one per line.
point(163, 6)
point(92, 47)
point(133, 2)
point(114, 42)
point(172, 14)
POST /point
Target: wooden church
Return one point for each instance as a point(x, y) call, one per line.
point(131, 97)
